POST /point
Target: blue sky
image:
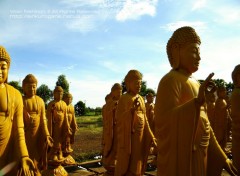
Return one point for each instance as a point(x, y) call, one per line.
point(96, 42)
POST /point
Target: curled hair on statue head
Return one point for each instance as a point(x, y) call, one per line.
point(132, 75)
point(4, 56)
point(116, 86)
point(180, 37)
point(29, 79)
point(58, 89)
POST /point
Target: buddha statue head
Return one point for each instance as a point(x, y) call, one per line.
point(68, 98)
point(150, 97)
point(116, 91)
point(180, 37)
point(5, 63)
point(236, 76)
point(29, 85)
point(221, 92)
point(133, 81)
point(58, 93)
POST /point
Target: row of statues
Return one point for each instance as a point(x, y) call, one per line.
point(179, 127)
point(30, 138)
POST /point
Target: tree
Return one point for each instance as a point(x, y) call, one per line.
point(62, 81)
point(98, 110)
point(80, 108)
point(45, 93)
point(16, 85)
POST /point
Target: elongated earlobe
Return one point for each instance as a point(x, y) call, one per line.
point(175, 56)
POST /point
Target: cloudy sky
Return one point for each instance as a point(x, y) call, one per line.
point(96, 42)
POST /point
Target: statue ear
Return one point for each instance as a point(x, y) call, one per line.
point(175, 56)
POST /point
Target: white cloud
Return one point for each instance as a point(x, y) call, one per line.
point(199, 4)
point(135, 9)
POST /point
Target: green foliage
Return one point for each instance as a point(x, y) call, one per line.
point(98, 110)
point(16, 85)
point(45, 93)
point(80, 108)
point(220, 82)
point(62, 81)
point(149, 90)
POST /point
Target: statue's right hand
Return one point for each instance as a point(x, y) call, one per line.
point(201, 94)
point(27, 167)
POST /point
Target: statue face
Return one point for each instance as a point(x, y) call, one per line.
point(117, 94)
point(189, 58)
point(3, 71)
point(58, 96)
point(135, 86)
point(68, 100)
point(150, 98)
point(30, 89)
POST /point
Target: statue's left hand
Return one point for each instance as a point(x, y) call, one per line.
point(27, 167)
point(154, 142)
point(229, 167)
point(49, 141)
point(70, 131)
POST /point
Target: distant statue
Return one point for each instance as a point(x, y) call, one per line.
point(150, 109)
point(58, 125)
point(134, 133)
point(186, 142)
point(13, 149)
point(221, 117)
point(235, 114)
point(210, 101)
point(35, 124)
point(110, 130)
point(67, 149)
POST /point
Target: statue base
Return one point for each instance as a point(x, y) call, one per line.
point(55, 169)
point(68, 161)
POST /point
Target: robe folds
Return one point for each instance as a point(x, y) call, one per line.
point(36, 131)
point(134, 137)
point(109, 134)
point(235, 114)
point(186, 141)
point(12, 140)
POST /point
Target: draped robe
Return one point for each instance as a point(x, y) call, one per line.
point(186, 141)
point(12, 140)
point(134, 137)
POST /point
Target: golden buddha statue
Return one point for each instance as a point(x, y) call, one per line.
point(67, 149)
point(235, 114)
point(134, 134)
point(35, 124)
point(221, 116)
point(12, 139)
point(186, 143)
point(150, 109)
point(110, 130)
point(58, 124)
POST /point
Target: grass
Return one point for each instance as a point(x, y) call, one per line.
point(88, 138)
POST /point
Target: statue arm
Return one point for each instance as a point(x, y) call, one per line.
point(27, 166)
point(216, 156)
point(43, 119)
point(18, 125)
point(49, 117)
point(74, 122)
